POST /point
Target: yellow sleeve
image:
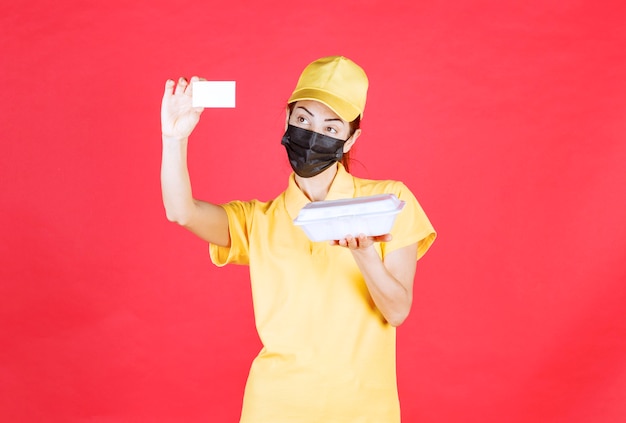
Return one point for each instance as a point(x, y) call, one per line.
point(411, 225)
point(239, 218)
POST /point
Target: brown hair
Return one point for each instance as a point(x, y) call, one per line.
point(345, 159)
point(354, 125)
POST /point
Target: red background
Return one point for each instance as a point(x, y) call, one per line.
point(506, 119)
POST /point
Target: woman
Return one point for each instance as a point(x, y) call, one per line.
point(325, 312)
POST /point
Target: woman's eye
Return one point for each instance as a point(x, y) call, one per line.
point(302, 119)
point(331, 130)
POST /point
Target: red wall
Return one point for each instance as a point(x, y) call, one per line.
point(507, 121)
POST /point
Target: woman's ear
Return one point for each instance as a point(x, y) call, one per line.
point(350, 142)
point(286, 116)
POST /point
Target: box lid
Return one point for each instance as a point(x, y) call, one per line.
point(359, 206)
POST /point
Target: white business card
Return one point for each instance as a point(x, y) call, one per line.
point(215, 94)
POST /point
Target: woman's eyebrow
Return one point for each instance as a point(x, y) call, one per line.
point(325, 120)
point(306, 110)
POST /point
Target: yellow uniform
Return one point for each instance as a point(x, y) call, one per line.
point(328, 355)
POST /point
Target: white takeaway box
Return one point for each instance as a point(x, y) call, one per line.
point(335, 219)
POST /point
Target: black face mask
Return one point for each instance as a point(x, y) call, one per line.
point(311, 153)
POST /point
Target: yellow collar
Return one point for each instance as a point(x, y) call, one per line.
point(341, 187)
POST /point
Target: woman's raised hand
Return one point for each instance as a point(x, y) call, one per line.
point(178, 116)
